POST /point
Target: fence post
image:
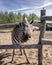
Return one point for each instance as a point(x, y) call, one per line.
point(42, 31)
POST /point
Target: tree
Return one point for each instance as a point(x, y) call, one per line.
point(11, 17)
point(33, 17)
point(19, 17)
point(1, 17)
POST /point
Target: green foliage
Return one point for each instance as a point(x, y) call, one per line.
point(19, 17)
point(11, 17)
point(33, 17)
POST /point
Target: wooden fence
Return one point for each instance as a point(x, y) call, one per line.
point(42, 40)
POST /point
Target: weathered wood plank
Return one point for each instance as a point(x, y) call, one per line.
point(46, 17)
point(37, 24)
point(42, 31)
point(22, 46)
point(9, 25)
point(46, 41)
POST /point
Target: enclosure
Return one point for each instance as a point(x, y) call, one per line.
point(38, 48)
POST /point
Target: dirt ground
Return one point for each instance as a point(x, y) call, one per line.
point(32, 54)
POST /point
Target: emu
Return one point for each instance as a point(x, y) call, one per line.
point(21, 33)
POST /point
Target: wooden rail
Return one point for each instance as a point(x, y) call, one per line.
point(8, 25)
point(22, 46)
point(46, 17)
point(46, 41)
point(37, 24)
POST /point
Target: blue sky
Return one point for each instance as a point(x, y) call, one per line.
point(14, 5)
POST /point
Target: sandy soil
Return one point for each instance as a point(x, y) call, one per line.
point(32, 54)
